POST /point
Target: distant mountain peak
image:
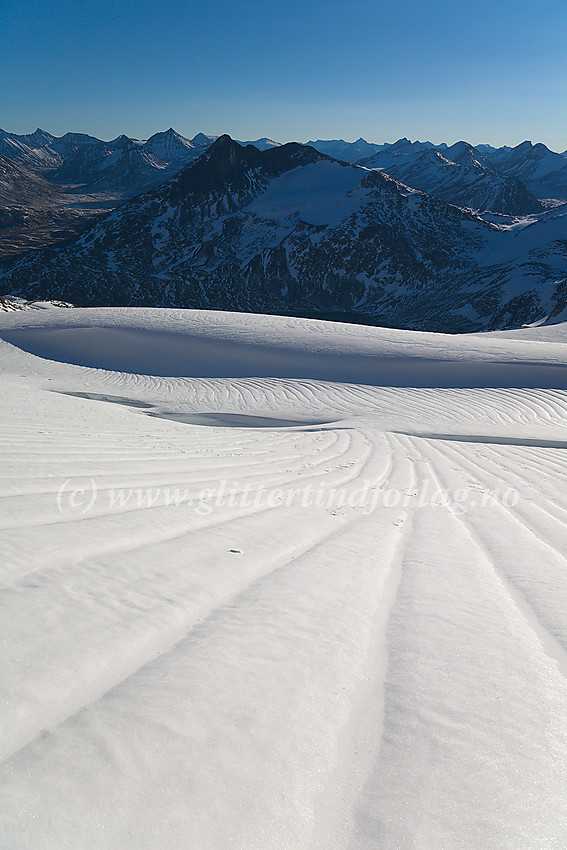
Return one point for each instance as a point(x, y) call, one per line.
point(261, 144)
point(120, 141)
point(169, 133)
point(202, 139)
point(169, 144)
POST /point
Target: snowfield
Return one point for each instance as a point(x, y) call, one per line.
point(274, 583)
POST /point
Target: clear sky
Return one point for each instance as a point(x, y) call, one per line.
point(482, 71)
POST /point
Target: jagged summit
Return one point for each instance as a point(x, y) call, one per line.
point(40, 137)
point(167, 134)
point(223, 142)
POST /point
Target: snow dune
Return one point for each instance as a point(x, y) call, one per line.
point(195, 658)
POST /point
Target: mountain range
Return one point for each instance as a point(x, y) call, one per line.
point(82, 178)
point(123, 165)
point(543, 171)
point(290, 229)
point(459, 175)
point(485, 179)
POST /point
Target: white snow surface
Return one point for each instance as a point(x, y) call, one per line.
point(280, 675)
point(322, 193)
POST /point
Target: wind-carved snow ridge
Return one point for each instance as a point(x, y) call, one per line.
point(275, 582)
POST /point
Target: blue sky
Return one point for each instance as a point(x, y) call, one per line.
point(294, 70)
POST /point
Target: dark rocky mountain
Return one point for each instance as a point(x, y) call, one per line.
point(465, 154)
point(68, 144)
point(124, 167)
point(292, 230)
point(39, 138)
point(202, 140)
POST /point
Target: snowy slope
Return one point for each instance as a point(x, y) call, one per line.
point(38, 157)
point(257, 672)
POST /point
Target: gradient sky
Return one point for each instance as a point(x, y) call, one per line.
point(482, 71)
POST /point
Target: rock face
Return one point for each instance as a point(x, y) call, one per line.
point(290, 229)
